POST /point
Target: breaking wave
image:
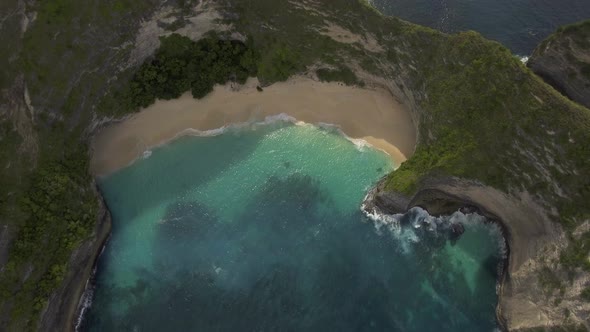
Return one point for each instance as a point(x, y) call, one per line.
point(237, 127)
point(411, 227)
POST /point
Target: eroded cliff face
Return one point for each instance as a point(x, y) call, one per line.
point(533, 241)
point(563, 61)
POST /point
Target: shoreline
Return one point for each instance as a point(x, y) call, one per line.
point(438, 200)
point(370, 115)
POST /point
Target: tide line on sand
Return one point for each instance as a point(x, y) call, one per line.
point(370, 115)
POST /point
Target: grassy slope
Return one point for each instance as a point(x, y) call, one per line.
point(484, 116)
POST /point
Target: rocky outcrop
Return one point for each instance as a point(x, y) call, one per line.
point(563, 61)
point(387, 202)
point(531, 240)
point(60, 313)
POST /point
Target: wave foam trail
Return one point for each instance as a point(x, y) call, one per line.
point(85, 303)
point(416, 224)
point(271, 119)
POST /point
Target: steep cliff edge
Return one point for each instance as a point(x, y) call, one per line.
point(532, 240)
point(563, 61)
point(64, 303)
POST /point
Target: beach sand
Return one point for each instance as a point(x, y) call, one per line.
point(372, 115)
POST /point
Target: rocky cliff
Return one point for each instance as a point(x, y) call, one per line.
point(531, 238)
point(563, 60)
point(64, 305)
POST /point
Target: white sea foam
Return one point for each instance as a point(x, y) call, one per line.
point(360, 144)
point(407, 236)
point(271, 119)
point(496, 232)
point(85, 304)
point(146, 154)
point(392, 225)
point(88, 295)
point(523, 58)
point(421, 219)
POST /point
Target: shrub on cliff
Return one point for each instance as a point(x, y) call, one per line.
point(181, 64)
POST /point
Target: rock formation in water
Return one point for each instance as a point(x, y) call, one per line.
point(563, 61)
point(492, 136)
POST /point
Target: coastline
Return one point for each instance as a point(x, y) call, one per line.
point(438, 202)
point(371, 115)
point(522, 224)
point(64, 307)
point(120, 143)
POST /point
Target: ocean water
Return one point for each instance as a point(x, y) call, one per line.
point(260, 229)
point(518, 24)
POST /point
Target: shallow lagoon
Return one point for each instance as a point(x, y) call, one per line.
point(259, 229)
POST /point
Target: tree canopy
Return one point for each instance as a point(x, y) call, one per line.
point(181, 64)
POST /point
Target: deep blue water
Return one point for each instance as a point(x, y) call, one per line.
point(260, 229)
point(518, 24)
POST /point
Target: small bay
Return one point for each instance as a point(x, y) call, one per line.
point(260, 229)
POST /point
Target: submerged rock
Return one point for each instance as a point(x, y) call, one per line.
point(456, 230)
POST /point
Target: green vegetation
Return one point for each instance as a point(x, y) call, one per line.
point(578, 32)
point(286, 36)
point(464, 98)
point(341, 74)
point(278, 64)
point(439, 159)
point(489, 119)
point(181, 64)
point(74, 50)
point(577, 253)
point(60, 210)
point(47, 201)
point(55, 209)
point(562, 61)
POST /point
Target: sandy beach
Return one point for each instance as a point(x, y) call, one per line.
point(369, 114)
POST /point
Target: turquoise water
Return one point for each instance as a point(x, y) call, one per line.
point(259, 229)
